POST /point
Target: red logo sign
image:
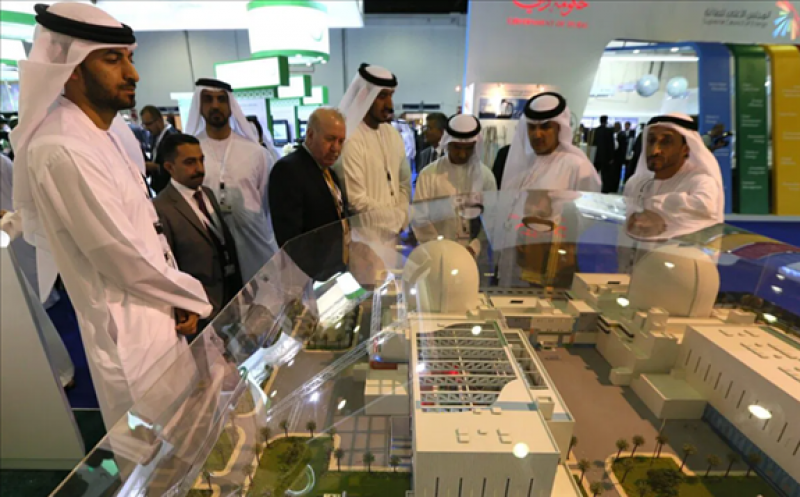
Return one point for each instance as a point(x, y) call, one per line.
point(550, 7)
point(564, 8)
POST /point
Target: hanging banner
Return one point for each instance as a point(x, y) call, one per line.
point(785, 63)
point(751, 139)
point(714, 73)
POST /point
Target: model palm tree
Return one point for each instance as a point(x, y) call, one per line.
point(266, 434)
point(369, 458)
point(638, 441)
point(733, 458)
point(642, 487)
point(584, 466)
point(285, 427)
point(248, 470)
point(338, 454)
point(713, 461)
point(572, 443)
point(311, 426)
point(622, 444)
point(688, 450)
point(596, 488)
point(207, 476)
point(627, 466)
point(394, 462)
point(661, 440)
point(753, 459)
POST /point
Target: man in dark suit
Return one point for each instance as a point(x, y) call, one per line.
point(435, 124)
point(603, 141)
point(192, 222)
point(153, 122)
point(305, 196)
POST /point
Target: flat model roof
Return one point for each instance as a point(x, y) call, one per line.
point(776, 360)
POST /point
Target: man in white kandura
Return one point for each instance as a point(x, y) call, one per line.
point(459, 174)
point(680, 190)
point(542, 156)
point(376, 173)
point(237, 171)
point(79, 186)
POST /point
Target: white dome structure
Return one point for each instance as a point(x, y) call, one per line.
point(441, 276)
point(683, 281)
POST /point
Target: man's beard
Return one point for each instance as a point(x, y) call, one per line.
point(214, 124)
point(103, 98)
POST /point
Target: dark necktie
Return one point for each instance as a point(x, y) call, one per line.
point(201, 203)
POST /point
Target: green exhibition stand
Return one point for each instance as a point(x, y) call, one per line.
point(752, 141)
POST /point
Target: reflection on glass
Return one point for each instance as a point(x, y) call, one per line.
point(414, 368)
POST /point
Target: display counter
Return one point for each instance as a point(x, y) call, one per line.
point(515, 344)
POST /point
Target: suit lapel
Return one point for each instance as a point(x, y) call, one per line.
point(186, 211)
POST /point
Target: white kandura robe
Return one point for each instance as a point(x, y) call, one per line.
point(366, 157)
point(561, 171)
point(25, 257)
point(444, 180)
point(689, 201)
point(100, 226)
point(246, 175)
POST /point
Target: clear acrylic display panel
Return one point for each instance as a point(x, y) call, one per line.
point(288, 357)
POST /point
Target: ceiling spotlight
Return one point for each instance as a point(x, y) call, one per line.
point(622, 301)
point(314, 397)
point(769, 318)
point(759, 412)
point(521, 450)
point(777, 289)
point(780, 277)
point(420, 367)
point(476, 330)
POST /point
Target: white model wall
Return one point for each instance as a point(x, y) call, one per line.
point(471, 472)
point(739, 387)
point(425, 52)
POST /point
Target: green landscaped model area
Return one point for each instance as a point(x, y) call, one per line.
point(222, 451)
point(364, 484)
point(690, 486)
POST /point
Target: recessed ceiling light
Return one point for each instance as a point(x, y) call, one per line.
point(780, 277)
point(777, 289)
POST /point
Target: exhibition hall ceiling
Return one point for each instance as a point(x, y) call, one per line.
point(197, 15)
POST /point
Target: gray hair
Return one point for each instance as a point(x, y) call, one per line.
point(316, 116)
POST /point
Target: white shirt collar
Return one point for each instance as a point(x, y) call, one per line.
point(185, 191)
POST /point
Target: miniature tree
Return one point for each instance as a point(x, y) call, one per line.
point(753, 459)
point(572, 443)
point(266, 434)
point(259, 449)
point(207, 476)
point(584, 466)
point(664, 482)
point(622, 444)
point(627, 466)
point(369, 458)
point(638, 441)
point(688, 450)
point(311, 426)
point(596, 488)
point(733, 458)
point(338, 454)
point(713, 461)
point(394, 462)
point(248, 470)
point(285, 427)
point(642, 487)
point(332, 431)
point(661, 440)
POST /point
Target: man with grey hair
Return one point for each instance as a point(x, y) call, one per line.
point(305, 195)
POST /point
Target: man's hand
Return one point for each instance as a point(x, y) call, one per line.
point(151, 167)
point(647, 224)
point(186, 322)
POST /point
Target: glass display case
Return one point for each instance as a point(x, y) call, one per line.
point(513, 344)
